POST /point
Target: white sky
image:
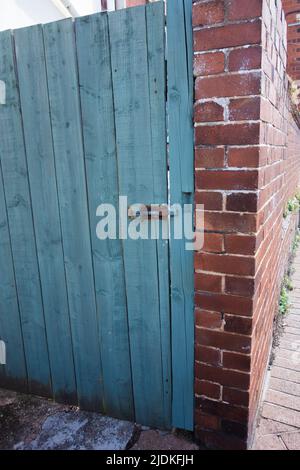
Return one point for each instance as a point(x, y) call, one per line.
point(86, 7)
point(20, 13)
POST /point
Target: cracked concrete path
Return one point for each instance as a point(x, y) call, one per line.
point(279, 426)
point(31, 423)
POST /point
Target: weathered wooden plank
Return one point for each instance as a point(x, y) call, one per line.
point(155, 17)
point(17, 193)
point(41, 169)
point(180, 107)
point(102, 180)
point(128, 42)
point(59, 40)
point(13, 374)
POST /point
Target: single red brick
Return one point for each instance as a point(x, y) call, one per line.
point(244, 157)
point(244, 109)
point(207, 389)
point(210, 63)
point(210, 157)
point(243, 10)
point(235, 397)
point(211, 200)
point(236, 84)
point(210, 320)
point(236, 361)
point(207, 421)
point(230, 222)
point(224, 377)
point(213, 243)
point(227, 264)
point(208, 13)
point(245, 59)
point(208, 112)
point(227, 180)
point(224, 303)
point(228, 134)
point(228, 36)
point(208, 355)
point(242, 202)
point(239, 286)
point(208, 283)
point(240, 244)
point(240, 325)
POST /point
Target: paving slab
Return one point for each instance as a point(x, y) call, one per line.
point(291, 338)
point(29, 423)
point(281, 414)
point(294, 312)
point(293, 330)
point(292, 363)
point(286, 374)
point(290, 388)
point(292, 440)
point(79, 430)
point(287, 354)
point(269, 442)
point(292, 321)
point(283, 399)
point(290, 346)
point(269, 426)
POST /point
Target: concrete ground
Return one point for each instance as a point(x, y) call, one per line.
point(279, 426)
point(30, 423)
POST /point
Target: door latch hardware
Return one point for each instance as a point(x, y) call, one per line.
point(148, 212)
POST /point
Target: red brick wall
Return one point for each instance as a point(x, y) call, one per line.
point(281, 170)
point(244, 176)
point(292, 10)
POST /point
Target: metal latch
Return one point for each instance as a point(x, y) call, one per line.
point(153, 211)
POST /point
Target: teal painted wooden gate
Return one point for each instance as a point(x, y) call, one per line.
point(84, 121)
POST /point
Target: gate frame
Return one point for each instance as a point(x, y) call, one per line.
point(181, 155)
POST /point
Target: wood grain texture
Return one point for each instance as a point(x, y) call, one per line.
point(18, 200)
point(41, 170)
point(13, 374)
point(129, 55)
point(102, 180)
point(59, 40)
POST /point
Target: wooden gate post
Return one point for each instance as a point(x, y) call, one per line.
point(181, 134)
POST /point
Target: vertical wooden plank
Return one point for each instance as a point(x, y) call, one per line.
point(180, 107)
point(102, 180)
point(40, 159)
point(155, 17)
point(17, 193)
point(128, 40)
point(59, 42)
point(13, 374)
